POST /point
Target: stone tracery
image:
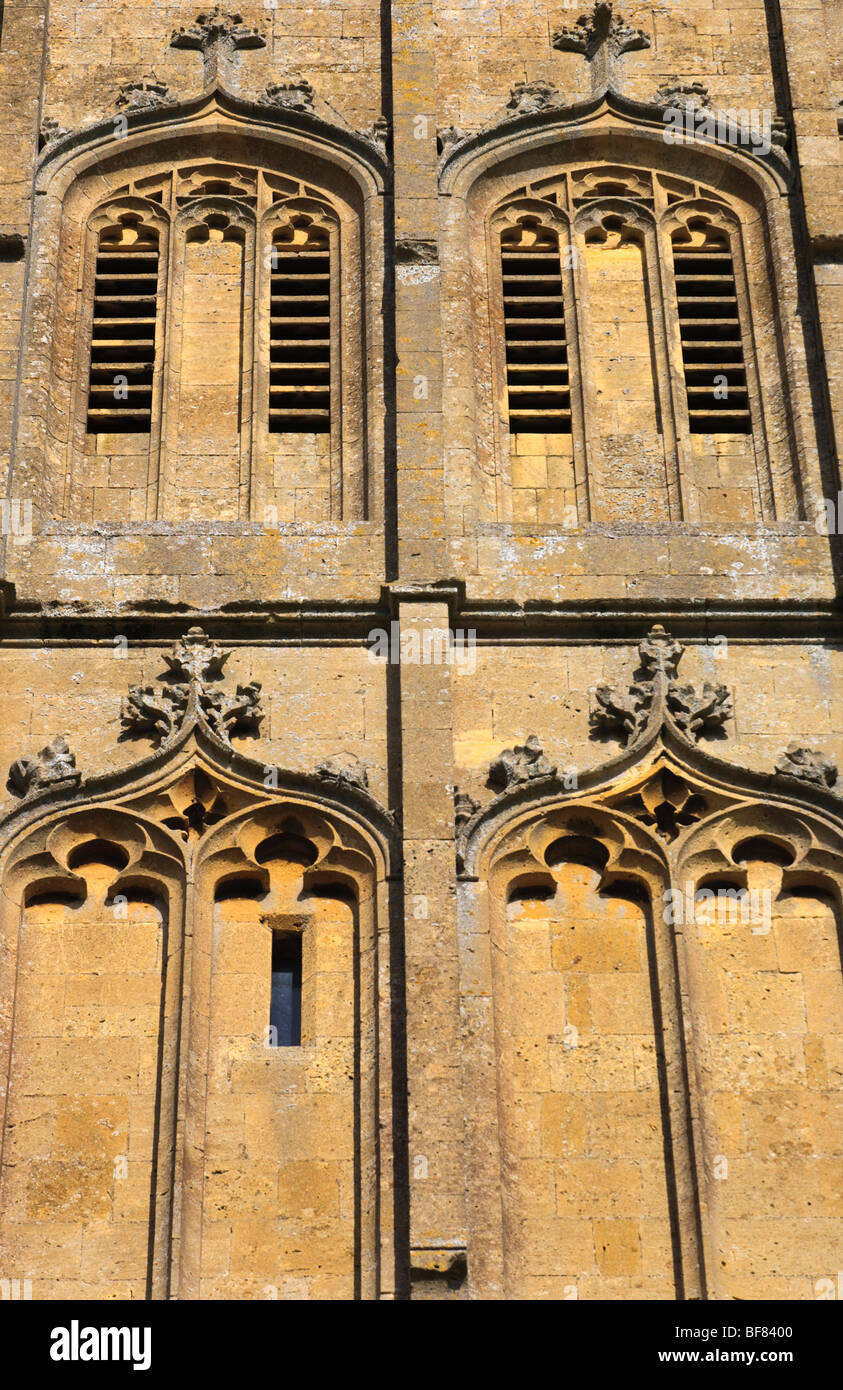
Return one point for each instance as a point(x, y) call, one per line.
point(729, 865)
point(192, 854)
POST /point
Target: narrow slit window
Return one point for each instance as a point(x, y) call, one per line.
point(538, 386)
point(123, 333)
point(710, 330)
point(285, 1002)
point(300, 330)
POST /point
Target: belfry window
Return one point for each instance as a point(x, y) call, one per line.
point(300, 329)
point(710, 331)
point(285, 1001)
point(218, 368)
point(123, 332)
point(538, 387)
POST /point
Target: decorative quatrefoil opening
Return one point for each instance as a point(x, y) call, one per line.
point(667, 803)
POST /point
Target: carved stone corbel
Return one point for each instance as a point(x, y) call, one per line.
point(687, 96)
point(808, 765)
point(465, 807)
point(526, 98)
point(345, 772)
point(53, 764)
point(50, 132)
point(289, 96)
point(450, 136)
point(378, 134)
point(523, 763)
point(145, 94)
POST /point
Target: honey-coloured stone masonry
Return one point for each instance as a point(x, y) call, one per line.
point(420, 637)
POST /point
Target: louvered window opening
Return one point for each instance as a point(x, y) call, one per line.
point(300, 337)
point(123, 335)
point(712, 345)
point(538, 387)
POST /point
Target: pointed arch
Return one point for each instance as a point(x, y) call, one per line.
point(746, 933)
point(763, 928)
point(171, 154)
point(569, 972)
point(93, 929)
point(185, 827)
point(611, 146)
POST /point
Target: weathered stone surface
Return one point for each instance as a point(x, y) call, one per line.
point(325, 532)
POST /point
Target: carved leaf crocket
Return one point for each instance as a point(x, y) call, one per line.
point(195, 697)
point(628, 713)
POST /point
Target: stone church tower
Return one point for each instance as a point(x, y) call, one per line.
point(422, 848)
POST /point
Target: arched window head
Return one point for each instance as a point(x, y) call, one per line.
point(124, 328)
point(711, 330)
point(302, 327)
point(538, 386)
point(215, 227)
point(216, 180)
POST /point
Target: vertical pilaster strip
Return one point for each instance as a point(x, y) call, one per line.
point(802, 45)
point(436, 1155)
point(419, 456)
point(23, 57)
point(436, 1118)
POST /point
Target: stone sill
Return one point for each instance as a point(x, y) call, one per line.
point(666, 529)
point(181, 529)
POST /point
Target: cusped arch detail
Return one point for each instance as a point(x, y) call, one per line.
point(163, 777)
point(662, 763)
point(211, 115)
point(584, 129)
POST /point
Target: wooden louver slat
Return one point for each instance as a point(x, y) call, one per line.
point(538, 388)
point(711, 336)
point(300, 334)
point(123, 333)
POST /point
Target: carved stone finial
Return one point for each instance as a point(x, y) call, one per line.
point(526, 98)
point(523, 763)
point(601, 37)
point(659, 652)
point(144, 94)
point(55, 763)
point(237, 713)
point(378, 134)
point(450, 136)
point(465, 807)
point(290, 96)
point(621, 713)
point(217, 35)
point(51, 131)
point(627, 714)
point(687, 96)
point(196, 657)
point(600, 28)
point(345, 771)
point(808, 765)
point(196, 665)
